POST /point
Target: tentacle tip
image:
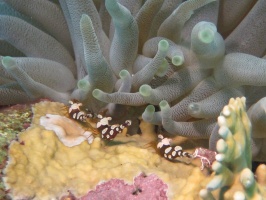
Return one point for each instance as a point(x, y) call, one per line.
point(83, 84)
point(147, 115)
point(150, 109)
point(8, 62)
point(163, 45)
point(84, 16)
point(111, 5)
point(193, 108)
point(177, 60)
point(96, 93)
point(206, 35)
point(163, 104)
point(123, 74)
point(145, 90)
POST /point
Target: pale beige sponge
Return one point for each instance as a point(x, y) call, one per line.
point(40, 166)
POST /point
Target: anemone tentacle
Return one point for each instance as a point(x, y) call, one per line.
point(178, 84)
point(202, 109)
point(82, 48)
point(256, 21)
point(197, 129)
point(33, 89)
point(125, 39)
point(31, 45)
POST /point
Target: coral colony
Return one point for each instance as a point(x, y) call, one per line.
point(171, 63)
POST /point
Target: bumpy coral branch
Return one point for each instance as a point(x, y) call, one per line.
point(233, 163)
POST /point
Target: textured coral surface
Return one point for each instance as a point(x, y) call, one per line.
point(44, 168)
point(233, 175)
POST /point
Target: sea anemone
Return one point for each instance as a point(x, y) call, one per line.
point(187, 57)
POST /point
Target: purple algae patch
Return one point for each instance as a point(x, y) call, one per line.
point(143, 188)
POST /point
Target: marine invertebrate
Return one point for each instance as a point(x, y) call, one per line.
point(106, 130)
point(130, 56)
point(76, 113)
point(109, 132)
point(169, 151)
point(233, 175)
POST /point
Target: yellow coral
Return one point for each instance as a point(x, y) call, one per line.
point(44, 168)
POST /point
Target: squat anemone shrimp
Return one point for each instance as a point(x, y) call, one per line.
point(107, 131)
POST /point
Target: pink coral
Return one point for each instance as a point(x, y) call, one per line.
point(143, 188)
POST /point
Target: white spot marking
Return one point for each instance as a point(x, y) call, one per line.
point(104, 130)
point(178, 148)
point(173, 153)
point(74, 116)
point(113, 126)
point(167, 150)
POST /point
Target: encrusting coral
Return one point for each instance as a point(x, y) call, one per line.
point(189, 57)
point(40, 166)
point(233, 175)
